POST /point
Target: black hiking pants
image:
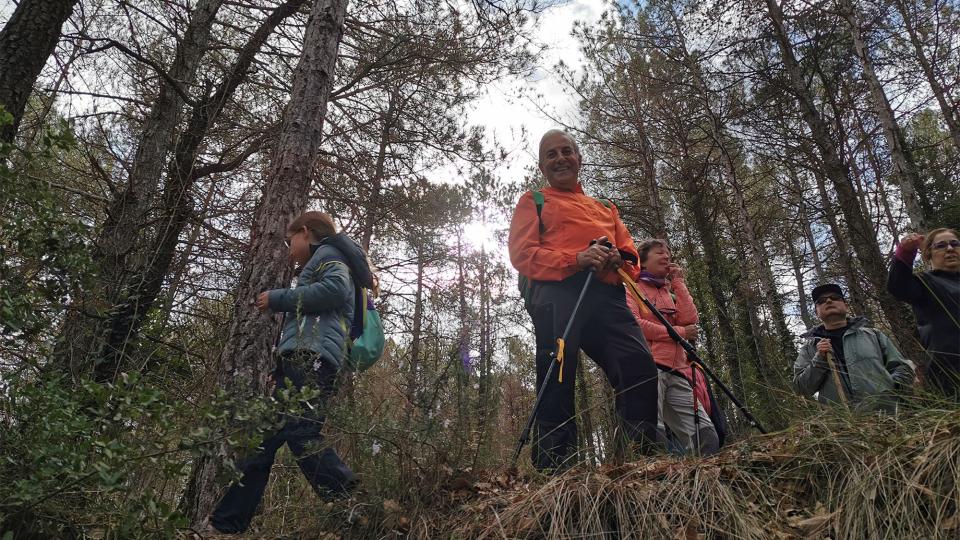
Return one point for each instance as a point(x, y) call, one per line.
point(606, 330)
point(327, 473)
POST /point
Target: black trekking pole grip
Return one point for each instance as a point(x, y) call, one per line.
point(693, 353)
point(525, 435)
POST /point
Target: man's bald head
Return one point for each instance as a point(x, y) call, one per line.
point(559, 159)
point(555, 133)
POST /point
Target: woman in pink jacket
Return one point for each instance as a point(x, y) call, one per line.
point(662, 283)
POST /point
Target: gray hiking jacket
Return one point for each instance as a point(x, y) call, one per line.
point(319, 309)
point(875, 369)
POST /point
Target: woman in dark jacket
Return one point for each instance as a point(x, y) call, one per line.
point(935, 298)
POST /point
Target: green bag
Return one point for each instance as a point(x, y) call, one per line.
point(366, 340)
point(367, 348)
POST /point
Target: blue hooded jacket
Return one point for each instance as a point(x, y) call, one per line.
point(320, 308)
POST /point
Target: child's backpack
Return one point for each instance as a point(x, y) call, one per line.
point(367, 341)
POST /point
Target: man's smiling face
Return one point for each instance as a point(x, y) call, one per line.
point(560, 160)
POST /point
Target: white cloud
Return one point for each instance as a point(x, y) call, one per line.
point(504, 115)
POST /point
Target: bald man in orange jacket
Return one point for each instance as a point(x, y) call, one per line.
point(554, 247)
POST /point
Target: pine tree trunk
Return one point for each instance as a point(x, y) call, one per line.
point(26, 41)
point(416, 337)
point(743, 223)
point(862, 235)
point(86, 341)
point(376, 183)
point(719, 283)
point(246, 360)
point(874, 160)
point(806, 228)
point(649, 180)
point(796, 262)
point(941, 94)
point(903, 163)
point(146, 281)
point(486, 353)
point(857, 294)
point(768, 380)
point(463, 345)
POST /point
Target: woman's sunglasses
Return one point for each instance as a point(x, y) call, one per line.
point(944, 244)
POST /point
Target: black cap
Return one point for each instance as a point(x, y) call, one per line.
point(820, 290)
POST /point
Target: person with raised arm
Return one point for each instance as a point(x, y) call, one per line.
point(934, 295)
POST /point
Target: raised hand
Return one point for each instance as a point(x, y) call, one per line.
point(911, 241)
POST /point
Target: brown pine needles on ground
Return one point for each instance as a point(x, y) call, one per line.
point(832, 477)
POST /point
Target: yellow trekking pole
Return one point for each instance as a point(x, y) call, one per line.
point(556, 357)
point(836, 379)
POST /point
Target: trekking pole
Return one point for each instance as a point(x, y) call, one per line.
point(841, 391)
point(691, 352)
point(554, 360)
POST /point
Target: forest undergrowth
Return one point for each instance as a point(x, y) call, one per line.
point(830, 476)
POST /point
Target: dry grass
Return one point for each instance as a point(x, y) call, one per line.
point(835, 477)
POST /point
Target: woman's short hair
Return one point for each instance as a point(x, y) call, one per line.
point(925, 251)
point(318, 223)
point(645, 246)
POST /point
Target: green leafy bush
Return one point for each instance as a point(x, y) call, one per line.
point(80, 458)
point(43, 247)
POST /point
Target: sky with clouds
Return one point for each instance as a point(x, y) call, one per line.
point(504, 116)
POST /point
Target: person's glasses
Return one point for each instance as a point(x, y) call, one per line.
point(944, 244)
point(823, 299)
point(286, 242)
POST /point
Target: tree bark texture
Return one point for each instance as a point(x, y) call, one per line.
point(246, 360)
point(84, 340)
point(146, 281)
point(26, 41)
point(862, 236)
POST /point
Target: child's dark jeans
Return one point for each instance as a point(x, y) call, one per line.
point(329, 476)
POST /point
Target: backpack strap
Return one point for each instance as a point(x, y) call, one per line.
point(539, 200)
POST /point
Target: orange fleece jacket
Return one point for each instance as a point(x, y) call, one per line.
point(571, 220)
